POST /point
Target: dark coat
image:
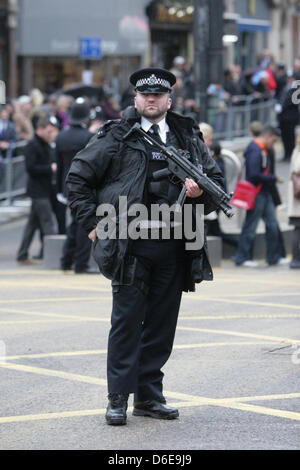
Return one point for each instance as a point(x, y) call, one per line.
point(109, 167)
point(256, 162)
point(290, 109)
point(274, 190)
point(9, 134)
point(68, 143)
point(38, 166)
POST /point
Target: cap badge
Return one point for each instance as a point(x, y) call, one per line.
point(153, 80)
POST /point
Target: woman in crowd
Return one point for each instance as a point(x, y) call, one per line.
point(294, 205)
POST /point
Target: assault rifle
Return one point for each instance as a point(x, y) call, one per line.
point(181, 167)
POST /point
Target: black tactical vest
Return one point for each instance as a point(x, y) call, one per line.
point(163, 191)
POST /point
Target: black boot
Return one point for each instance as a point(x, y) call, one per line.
point(155, 409)
point(116, 409)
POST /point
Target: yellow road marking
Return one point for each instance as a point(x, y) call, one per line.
point(236, 333)
point(175, 395)
point(37, 273)
point(59, 415)
point(194, 403)
point(191, 400)
point(265, 411)
point(31, 322)
point(53, 373)
point(55, 315)
point(181, 316)
point(204, 330)
point(47, 284)
point(278, 396)
point(262, 294)
point(244, 302)
point(57, 354)
point(247, 280)
point(104, 351)
point(212, 345)
point(53, 299)
point(245, 316)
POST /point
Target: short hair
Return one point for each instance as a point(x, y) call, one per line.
point(256, 128)
point(44, 121)
point(271, 130)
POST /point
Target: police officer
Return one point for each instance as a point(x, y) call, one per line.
point(77, 246)
point(148, 275)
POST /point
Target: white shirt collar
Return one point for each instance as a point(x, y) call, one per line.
point(163, 127)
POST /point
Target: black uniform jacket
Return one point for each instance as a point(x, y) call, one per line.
point(38, 167)
point(68, 142)
point(110, 167)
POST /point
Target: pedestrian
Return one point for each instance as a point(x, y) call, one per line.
point(294, 205)
point(207, 133)
point(288, 116)
point(148, 275)
point(77, 247)
point(22, 118)
point(63, 106)
point(256, 129)
point(39, 168)
point(213, 226)
point(211, 220)
point(257, 162)
point(7, 132)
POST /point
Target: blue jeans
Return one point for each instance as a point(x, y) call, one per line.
point(264, 209)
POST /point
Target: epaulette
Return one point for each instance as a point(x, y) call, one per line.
point(106, 127)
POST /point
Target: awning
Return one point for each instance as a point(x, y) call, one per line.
point(253, 25)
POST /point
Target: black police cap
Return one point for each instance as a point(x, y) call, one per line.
point(152, 80)
point(80, 111)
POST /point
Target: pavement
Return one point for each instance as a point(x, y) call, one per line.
point(233, 374)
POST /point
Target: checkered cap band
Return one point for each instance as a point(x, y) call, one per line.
point(153, 80)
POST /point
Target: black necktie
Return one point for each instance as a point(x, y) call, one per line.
point(154, 131)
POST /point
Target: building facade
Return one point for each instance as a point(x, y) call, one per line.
point(50, 45)
point(55, 42)
point(58, 40)
point(272, 25)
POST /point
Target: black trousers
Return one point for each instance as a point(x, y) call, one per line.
point(288, 138)
point(296, 244)
point(77, 248)
point(40, 217)
point(143, 323)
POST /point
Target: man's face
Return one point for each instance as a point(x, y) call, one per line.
point(4, 115)
point(270, 140)
point(152, 106)
point(48, 133)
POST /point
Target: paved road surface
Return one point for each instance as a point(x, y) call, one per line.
point(234, 372)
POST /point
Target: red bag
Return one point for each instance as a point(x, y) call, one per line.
point(245, 193)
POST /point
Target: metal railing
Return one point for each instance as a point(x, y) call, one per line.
point(233, 120)
point(13, 173)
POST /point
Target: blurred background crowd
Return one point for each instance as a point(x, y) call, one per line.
point(240, 66)
point(266, 81)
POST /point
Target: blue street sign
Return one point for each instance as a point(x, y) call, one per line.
point(90, 48)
